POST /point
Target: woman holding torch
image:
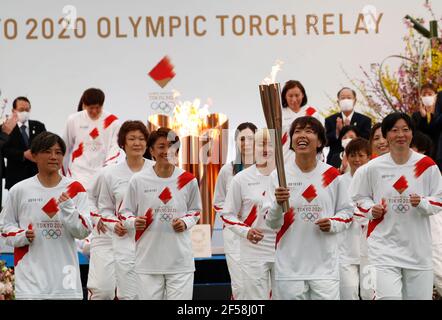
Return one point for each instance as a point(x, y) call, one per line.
point(306, 264)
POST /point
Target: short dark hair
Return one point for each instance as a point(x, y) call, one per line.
point(290, 85)
point(316, 126)
point(164, 132)
point(92, 96)
point(356, 145)
point(422, 143)
point(346, 129)
point(428, 86)
point(14, 103)
point(375, 127)
point(237, 163)
point(131, 126)
point(391, 119)
point(45, 140)
point(344, 88)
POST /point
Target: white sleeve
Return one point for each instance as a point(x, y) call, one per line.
point(232, 207)
point(75, 217)
point(9, 224)
point(194, 206)
point(129, 207)
point(93, 195)
point(220, 193)
point(432, 203)
point(343, 208)
point(361, 191)
point(106, 203)
point(68, 138)
point(275, 216)
point(113, 150)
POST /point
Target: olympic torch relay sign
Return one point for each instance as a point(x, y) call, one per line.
point(271, 105)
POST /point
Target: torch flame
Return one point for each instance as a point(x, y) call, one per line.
point(275, 69)
point(188, 117)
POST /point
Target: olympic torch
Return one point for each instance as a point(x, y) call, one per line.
point(271, 105)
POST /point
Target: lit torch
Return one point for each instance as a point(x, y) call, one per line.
point(271, 105)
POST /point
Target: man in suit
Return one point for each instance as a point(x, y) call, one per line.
point(19, 162)
point(5, 130)
point(438, 116)
point(347, 116)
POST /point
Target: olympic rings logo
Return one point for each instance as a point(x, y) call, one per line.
point(51, 233)
point(309, 216)
point(166, 217)
point(401, 208)
point(164, 106)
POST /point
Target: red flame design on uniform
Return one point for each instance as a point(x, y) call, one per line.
point(78, 152)
point(109, 120)
point(329, 176)
point(422, 165)
point(310, 193)
point(401, 184)
point(165, 196)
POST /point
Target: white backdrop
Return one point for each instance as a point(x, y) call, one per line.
point(227, 68)
point(54, 72)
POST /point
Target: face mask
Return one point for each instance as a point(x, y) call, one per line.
point(22, 116)
point(346, 104)
point(344, 142)
point(428, 101)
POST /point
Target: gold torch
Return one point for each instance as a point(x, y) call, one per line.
point(271, 105)
point(213, 154)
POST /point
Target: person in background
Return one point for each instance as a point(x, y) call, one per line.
point(5, 131)
point(378, 143)
point(347, 116)
point(91, 143)
point(352, 257)
point(294, 105)
point(244, 158)
point(91, 139)
point(19, 162)
point(339, 160)
point(426, 120)
point(421, 143)
point(247, 203)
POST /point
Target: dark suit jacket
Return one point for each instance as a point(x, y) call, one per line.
point(3, 139)
point(17, 167)
point(363, 123)
point(438, 116)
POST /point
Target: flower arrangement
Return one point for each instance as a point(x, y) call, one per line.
point(6, 282)
point(384, 89)
point(3, 104)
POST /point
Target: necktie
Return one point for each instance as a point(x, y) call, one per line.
point(24, 135)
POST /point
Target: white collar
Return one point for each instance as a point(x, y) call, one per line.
point(19, 124)
point(349, 117)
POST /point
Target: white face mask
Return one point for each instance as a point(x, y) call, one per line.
point(345, 142)
point(428, 101)
point(346, 104)
point(22, 116)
